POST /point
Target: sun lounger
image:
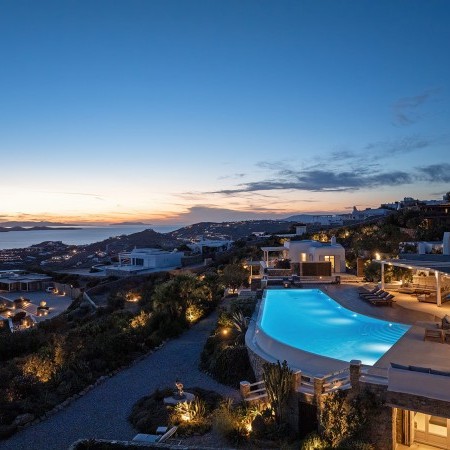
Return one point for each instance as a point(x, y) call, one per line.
point(372, 292)
point(377, 294)
point(149, 438)
point(382, 295)
point(388, 300)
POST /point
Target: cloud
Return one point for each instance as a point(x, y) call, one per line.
point(235, 176)
point(204, 213)
point(408, 144)
point(435, 173)
point(323, 181)
point(405, 109)
point(82, 194)
point(369, 156)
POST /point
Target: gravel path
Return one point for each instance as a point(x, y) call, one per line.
point(103, 411)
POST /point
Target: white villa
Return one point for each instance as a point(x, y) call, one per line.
point(145, 259)
point(308, 259)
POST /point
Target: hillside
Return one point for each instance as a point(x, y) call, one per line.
point(230, 230)
point(142, 239)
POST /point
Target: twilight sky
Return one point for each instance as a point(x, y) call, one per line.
point(189, 110)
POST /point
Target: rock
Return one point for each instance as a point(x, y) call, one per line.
point(23, 419)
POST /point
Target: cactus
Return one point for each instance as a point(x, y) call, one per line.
point(278, 382)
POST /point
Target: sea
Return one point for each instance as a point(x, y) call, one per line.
point(83, 235)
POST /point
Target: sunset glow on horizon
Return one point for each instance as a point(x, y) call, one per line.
point(169, 112)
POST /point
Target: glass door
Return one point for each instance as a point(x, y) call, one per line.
point(431, 430)
point(331, 259)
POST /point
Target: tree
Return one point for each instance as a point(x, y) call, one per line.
point(234, 276)
point(176, 295)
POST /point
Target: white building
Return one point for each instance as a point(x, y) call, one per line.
point(150, 258)
point(143, 260)
point(315, 251)
point(300, 253)
point(427, 248)
point(217, 244)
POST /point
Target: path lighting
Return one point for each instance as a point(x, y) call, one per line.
point(225, 331)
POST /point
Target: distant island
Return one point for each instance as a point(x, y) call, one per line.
point(128, 223)
point(37, 228)
point(29, 223)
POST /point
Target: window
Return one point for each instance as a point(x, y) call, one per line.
point(331, 260)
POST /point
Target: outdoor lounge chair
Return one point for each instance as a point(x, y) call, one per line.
point(372, 292)
point(377, 294)
point(382, 295)
point(445, 324)
point(149, 438)
point(427, 298)
point(388, 300)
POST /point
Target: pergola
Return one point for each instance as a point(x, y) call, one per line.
point(267, 250)
point(440, 269)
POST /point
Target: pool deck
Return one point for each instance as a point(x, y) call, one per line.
point(411, 349)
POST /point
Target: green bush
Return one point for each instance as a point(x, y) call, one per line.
point(355, 445)
point(229, 421)
point(313, 442)
point(231, 365)
point(244, 305)
point(150, 412)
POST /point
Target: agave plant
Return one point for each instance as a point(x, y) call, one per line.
point(240, 324)
point(191, 411)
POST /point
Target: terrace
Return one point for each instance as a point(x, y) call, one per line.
point(415, 391)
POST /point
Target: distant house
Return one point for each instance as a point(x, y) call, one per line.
point(427, 247)
point(368, 213)
point(145, 259)
point(21, 281)
point(201, 245)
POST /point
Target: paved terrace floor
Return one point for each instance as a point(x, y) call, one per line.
point(102, 412)
point(411, 349)
point(56, 303)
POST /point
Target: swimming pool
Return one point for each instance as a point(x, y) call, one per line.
point(308, 320)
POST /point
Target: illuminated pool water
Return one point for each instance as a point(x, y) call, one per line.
point(309, 320)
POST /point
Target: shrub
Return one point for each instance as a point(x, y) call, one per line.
point(230, 422)
point(245, 305)
point(343, 416)
point(191, 417)
point(313, 442)
point(231, 365)
point(150, 412)
point(355, 445)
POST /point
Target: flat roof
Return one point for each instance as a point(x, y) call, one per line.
point(438, 266)
point(273, 249)
point(25, 278)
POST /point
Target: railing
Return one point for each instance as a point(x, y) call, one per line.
point(330, 382)
point(253, 391)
